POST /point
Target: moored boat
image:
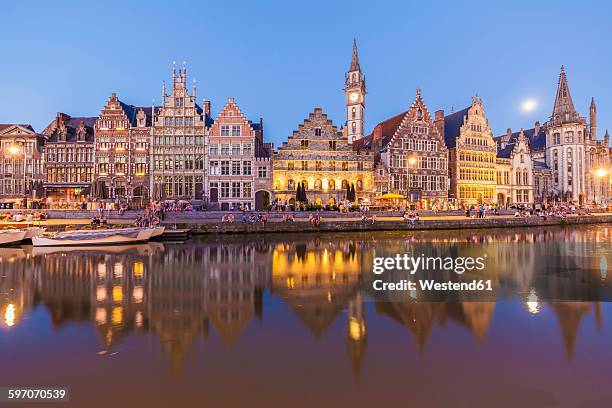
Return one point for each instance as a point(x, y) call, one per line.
point(33, 232)
point(11, 237)
point(158, 232)
point(94, 237)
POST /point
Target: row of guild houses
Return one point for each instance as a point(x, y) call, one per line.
point(177, 150)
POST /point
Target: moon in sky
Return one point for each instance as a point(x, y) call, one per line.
point(528, 105)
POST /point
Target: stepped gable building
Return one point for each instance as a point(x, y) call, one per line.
point(320, 157)
point(178, 137)
point(472, 153)
point(122, 140)
point(69, 158)
point(355, 91)
point(19, 178)
point(515, 172)
point(411, 156)
point(239, 167)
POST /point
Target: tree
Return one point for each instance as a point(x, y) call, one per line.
point(353, 196)
point(298, 192)
point(348, 191)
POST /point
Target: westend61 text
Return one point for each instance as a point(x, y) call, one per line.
point(431, 285)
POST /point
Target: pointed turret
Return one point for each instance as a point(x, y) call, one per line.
point(564, 110)
point(593, 120)
point(355, 60)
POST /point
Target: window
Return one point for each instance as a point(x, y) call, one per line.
point(262, 172)
point(317, 131)
point(290, 165)
point(331, 184)
point(304, 165)
point(332, 145)
point(318, 185)
point(246, 168)
point(225, 189)
point(214, 168)
point(345, 166)
point(225, 167)
point(235, 130)
point(304, 144)
point(246, 190)
point(247, 149)
point(353, 112)
point(225, 149)
point(235, 168)
point(235, 190)
point(290, 184)
point(225, 130)
point(332, 165)
point(235, 149)
point(318, 165)
point(214, 149)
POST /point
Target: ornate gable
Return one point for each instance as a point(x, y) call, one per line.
point(17, 130)
point(416, 117)
point(231, 115)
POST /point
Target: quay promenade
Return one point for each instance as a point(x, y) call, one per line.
point(210, 222)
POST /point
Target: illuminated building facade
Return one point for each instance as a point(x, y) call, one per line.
point(122, 140)
point(514, 172)
point(17, 178)
point(178, 138)
point(411, 155)
point(239, 162)
point(472, 152)
point(320, 157)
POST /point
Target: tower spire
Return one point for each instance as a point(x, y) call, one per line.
point(355, 59)
point(564, 106)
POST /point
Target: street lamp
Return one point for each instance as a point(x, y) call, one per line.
point(599, 173)
point(14, 150)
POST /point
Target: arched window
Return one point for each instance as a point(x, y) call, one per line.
point(318, 165)
point(290, 184)
point(359, 185)
point(318, 184)
point(419, 114)
point(331, 184)
point(304, 184)
point(344, 184)
point(353, 112)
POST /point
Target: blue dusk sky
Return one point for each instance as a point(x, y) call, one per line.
point(280, 59)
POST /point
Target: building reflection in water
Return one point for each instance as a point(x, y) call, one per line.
point(180, 291)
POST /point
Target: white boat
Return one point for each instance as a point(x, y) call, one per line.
point(94, 237)
point(11, 237)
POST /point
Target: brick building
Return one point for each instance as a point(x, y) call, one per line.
point(411, 156)
point(238, 163)
point(69, 158)
point(122, 140)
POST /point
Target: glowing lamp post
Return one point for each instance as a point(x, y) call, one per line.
point(14, 150)
point(599, 173)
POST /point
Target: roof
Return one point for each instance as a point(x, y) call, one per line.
point(8, 125)
point(452, 127)
point(72, 124)
point(537, 142)
point(506, 151)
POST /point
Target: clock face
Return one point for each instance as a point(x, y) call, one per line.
point(354, 97)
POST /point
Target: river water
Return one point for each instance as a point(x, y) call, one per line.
point(292, 320)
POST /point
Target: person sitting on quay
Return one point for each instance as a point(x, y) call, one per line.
point(264, 219)
point(288, 218)
point(365, 218)
point(314, 219)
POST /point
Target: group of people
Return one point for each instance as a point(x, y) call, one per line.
point(480, 211)
point(19, 217)
point(411, 217)
point(314, 219)
point(254, 219)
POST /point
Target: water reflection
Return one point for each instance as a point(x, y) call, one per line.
point(181, 291)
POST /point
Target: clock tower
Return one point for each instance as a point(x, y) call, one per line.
point(355, 90)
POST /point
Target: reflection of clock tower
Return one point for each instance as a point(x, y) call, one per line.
point(355, 89)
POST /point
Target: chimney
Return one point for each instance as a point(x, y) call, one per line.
point(207, 108)
point(439, 121)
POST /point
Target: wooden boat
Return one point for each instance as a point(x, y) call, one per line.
point(95, 237)
point(158, 232)
point(33, 232)
point(11, 237)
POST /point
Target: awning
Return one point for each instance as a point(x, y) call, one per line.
point(390, 196)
